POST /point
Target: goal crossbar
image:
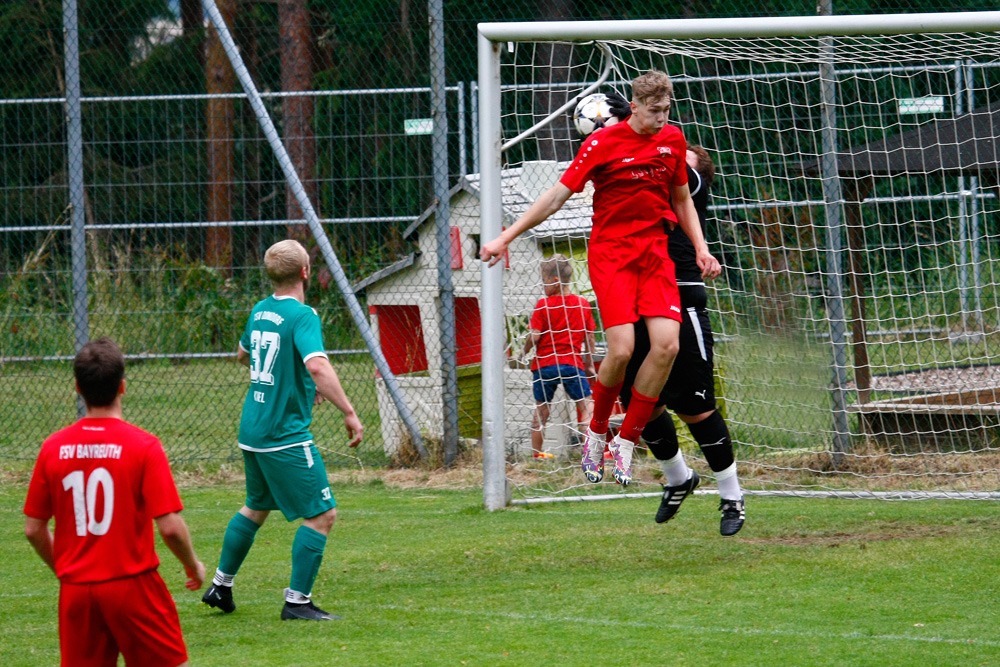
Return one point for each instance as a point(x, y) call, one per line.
point(783, 26)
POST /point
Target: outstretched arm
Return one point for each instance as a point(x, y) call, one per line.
point(176, 536)
point(687, 218)
point(328, 385)
point(548, 203)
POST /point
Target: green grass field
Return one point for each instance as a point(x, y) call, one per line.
point(426, 577)
point(193, 407)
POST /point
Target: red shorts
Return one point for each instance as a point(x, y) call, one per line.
point(132, 615)
point(633, 277)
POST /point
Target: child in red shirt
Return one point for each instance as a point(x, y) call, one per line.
point(640, 186)
point(561, 324)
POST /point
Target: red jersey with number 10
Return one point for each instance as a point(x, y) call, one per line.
point(104, 481)
point(632, 175)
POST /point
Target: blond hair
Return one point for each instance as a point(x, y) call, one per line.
point(284, 262)
point(558, 266)
point(653, 86)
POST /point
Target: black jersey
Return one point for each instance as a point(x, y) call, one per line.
point(680, 247)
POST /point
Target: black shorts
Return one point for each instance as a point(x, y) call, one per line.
point(690, 389)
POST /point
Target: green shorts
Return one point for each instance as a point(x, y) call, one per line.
point(292, 480)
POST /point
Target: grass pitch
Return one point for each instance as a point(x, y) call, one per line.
point(426, 577)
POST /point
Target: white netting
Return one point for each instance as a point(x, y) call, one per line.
point(917, 122)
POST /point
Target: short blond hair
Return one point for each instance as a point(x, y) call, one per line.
point(558, 266)
point(652, 86)
point(284, 262)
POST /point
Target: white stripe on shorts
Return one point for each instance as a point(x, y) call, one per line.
point(309, 454)
point(696, 325)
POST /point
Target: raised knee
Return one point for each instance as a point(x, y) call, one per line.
point(619, 354)
point(666, 349)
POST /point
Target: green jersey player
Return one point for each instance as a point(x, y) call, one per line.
point(289, 372)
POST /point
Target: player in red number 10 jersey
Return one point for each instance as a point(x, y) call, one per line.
point(105, 482)
point(640, 186)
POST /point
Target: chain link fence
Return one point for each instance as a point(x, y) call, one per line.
point(176, 194)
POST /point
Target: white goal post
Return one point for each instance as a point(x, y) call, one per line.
point(837, 212)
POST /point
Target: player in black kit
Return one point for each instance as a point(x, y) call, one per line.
point(690, 389)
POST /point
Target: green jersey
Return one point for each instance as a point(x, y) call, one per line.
point(281, 335)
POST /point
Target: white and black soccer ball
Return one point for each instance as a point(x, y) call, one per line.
point(592, 113)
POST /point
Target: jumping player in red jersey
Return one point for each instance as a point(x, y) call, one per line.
point(640, 186)
point(106, 482)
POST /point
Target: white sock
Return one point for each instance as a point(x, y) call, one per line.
point(295, 597)
point(622, 448)
point(675, 469)
point(594, 439)
point(222, 579)
point(729, 483)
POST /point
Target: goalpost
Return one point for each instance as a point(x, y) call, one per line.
point(854, 212)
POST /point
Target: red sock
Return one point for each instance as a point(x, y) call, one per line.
point(636, 417)
point(604, 403)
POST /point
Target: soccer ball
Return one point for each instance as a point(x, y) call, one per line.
point(593, 113)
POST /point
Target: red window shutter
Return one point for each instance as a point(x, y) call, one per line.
point(456, 248)
point(401, 335)
point(468, 332)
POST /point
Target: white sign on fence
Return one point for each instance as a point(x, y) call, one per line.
point(929, 104)
point(418, 126)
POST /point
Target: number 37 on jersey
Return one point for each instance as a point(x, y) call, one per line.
point(264, 347)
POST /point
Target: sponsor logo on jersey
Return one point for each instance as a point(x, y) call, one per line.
point(664, 150)
point(269, 316)
point(701, 393)
point(96, 451)
point(628, 159)
point(675, 309)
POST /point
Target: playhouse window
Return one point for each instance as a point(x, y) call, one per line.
point(468, 342)
point(401, 335)
point(477, 245)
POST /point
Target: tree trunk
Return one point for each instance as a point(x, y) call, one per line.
point(558, 140)
point(220, 79)
point(192, 22)
point(296, 45)
point(192, 16)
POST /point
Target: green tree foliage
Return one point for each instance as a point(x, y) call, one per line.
point(146, 160)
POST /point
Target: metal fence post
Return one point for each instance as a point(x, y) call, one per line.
point(442, 227)
point(74, 177)
point(833, 212)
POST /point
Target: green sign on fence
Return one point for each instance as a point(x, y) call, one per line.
point(418, 126)
point(929, 104)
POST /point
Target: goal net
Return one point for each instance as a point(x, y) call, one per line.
point(854, 211)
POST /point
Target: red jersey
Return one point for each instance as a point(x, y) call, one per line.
point(563, 321)
point(104, 481)
point(632, 175)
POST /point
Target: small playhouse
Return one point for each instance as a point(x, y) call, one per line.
point(403, 308)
